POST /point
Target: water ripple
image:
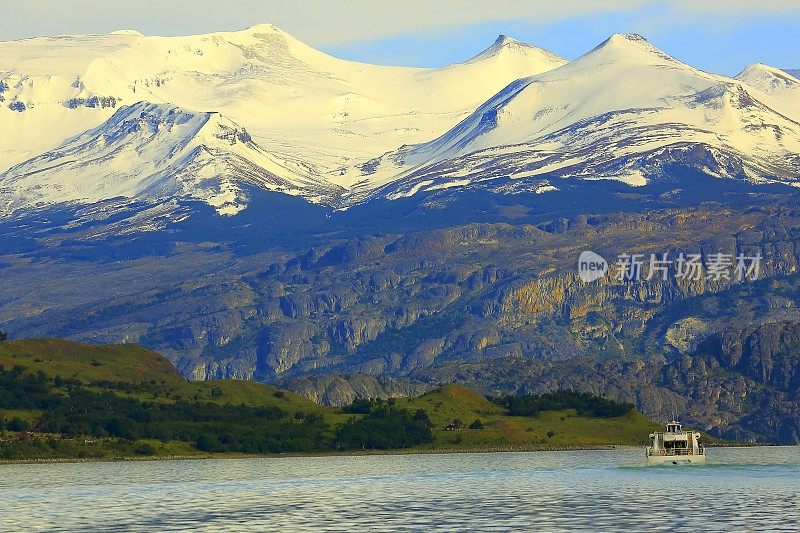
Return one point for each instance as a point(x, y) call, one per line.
point(748, 489)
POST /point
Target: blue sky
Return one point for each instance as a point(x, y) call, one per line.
point(721, 45)
point(721, 36)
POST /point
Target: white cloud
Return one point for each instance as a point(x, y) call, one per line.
point(325, 22)
point(736, 7)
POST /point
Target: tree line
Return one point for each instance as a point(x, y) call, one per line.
point(584, 403)
point(72, 410)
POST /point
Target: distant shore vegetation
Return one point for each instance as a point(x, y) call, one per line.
point(71, 401)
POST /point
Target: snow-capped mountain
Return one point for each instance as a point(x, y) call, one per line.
point(783, 86)
point(152, 151)
point(298, 102)
point(206, 117)
point(623, 111)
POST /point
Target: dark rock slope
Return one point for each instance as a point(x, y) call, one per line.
point(495, 305)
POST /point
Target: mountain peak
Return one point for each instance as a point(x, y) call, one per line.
point(627, 37)
point(264, 28)
point(769, 79)
point(625, 41)
point(503, 40)
point(629, 46)
point(505, 45)
point(762, 68)
point(260, 31)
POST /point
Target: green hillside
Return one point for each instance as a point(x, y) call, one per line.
point(563, 428)
point(60, 399)
point(124, 362)
point(151, 376)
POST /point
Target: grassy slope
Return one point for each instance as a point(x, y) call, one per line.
point(125, 362)
point(455, 402)
point(129, 363)
point(135, 365)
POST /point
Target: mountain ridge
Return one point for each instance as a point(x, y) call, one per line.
point(341, 133)
point(262, 77)
point(582, 113)
point(180, 154)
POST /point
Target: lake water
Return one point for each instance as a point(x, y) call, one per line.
point(741, 489)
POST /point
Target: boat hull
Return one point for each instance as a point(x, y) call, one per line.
point(675, 459)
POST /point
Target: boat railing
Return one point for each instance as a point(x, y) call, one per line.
point(671, 452)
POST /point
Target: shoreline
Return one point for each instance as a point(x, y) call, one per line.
point(350, 453)
point(329, 453)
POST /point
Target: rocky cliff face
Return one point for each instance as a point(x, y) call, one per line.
point(342, 390)
point(743, 383)
point(494, 305)
point(769, 354)
point(740, 384)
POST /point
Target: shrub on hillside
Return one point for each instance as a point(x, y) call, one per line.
point(384, 427)
point(584, 403)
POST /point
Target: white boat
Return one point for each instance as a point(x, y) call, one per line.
point(675, 446)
